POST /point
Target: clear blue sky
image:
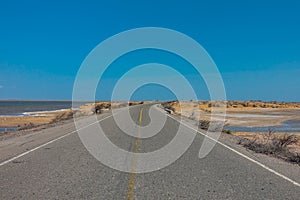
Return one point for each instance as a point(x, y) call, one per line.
point(255, 44)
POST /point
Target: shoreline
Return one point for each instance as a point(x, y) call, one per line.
point(271, 142)
point(35, 113)
point(27, 120)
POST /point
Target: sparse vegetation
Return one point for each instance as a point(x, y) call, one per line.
point(203, 124)
point(132, 103)
point(168, 105)
point(27, 126)
point(285, 146)
point(100, 106)
point(63, 116)
point(207, 106)
point(272, 144)
point(227, 131)
point(192, 116)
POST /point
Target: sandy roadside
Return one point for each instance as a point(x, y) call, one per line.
point(37, 119)
point(20, 121)
point(240, 116)
point(262, 137)
point(279, 144)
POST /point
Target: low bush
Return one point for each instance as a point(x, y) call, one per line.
point(227, 131)
point(168, 105)
point(271, 144)
point(203, 124)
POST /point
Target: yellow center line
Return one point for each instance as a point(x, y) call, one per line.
point(134, 162)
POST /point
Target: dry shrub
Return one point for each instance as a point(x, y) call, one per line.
point(99, 106)
point(168, 105)
point(227, 131)
point(63, 116)
point(284, 141)
point(133, 103)
point(192, 116)
point(271, 144)
point(294, 157)
point(26, 126)
point(204, 124)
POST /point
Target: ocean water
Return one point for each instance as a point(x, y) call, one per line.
point(21, 108)
point(15, 108)
point(7, 129)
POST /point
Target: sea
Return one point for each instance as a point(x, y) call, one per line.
point(30, 108)
point(19, 108)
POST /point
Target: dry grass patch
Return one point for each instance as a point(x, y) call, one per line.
point(278, 145)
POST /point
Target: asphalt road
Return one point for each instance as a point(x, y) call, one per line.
point(64, 169)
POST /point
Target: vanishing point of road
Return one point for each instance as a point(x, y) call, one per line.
point(54, 164)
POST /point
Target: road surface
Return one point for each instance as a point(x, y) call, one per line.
point(64, 169)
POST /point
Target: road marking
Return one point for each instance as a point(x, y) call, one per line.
point(134, 162)
point(224, 145)
point(54, 140)
point(239, 153)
